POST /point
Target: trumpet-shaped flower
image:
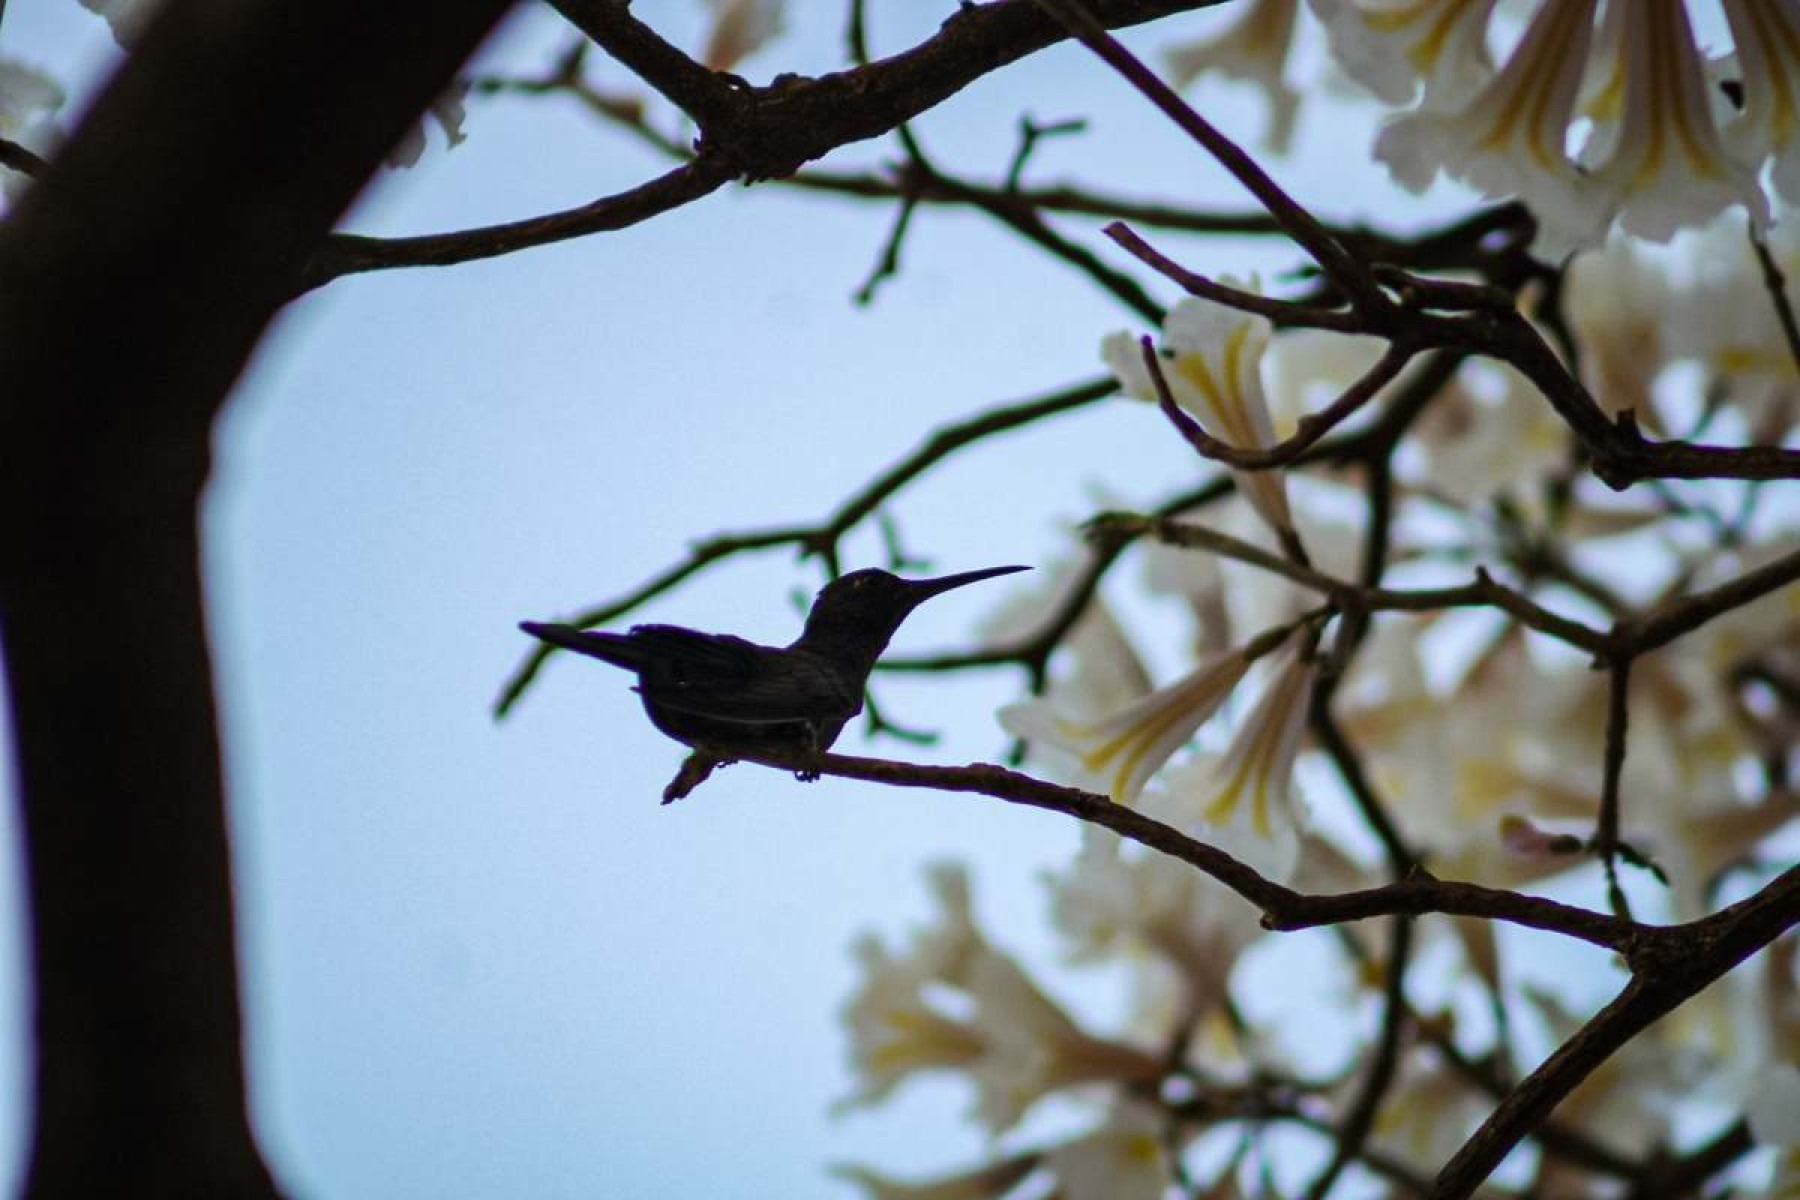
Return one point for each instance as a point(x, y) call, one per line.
point(1390, 46)
point(1260, 762)
point(1254, 48)
point(1509, 137)
point(1668, 168)
point(1663, 151)
point(1123, 1159)
point(1767, 33)
point(1212, 364)
point(1119, 753)
point(955, 1002)
point(1034, 1048)
point(1116, 901)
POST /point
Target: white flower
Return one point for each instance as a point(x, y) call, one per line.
point(1308, 368)
point(1120, 900)
point(1212, 363)
point(1667, 167)
point(1767, 33)
point(895, 1032)
point(1490, 434)
point(1618, 301)
point(1123, 1159)
point(739, 29)
point(1034, 1048)
point(1654, 160)
point(1260, 761)
point(1389, 46)
point(1120, 752)
point(896, 1029)
point(1508, 138)
point(955, 1002)
point(1255, 49)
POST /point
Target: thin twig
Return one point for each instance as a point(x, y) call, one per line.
point(1673, 619)
point(19, 158)
point(1666, 972)
point(1775, 283)
point(1482, 591)
point(346, 254)
point(821, 538)
point(1606, 829)
point(1383, 1065)
point(1282, 313)
point(1307, 432)
point(1340, 266)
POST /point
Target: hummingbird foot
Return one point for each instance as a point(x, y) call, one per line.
point(694, 771)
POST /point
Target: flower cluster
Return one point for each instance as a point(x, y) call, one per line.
point(1596, 115)
point(1479, 740)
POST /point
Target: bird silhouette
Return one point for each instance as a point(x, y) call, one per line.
point(729, 698)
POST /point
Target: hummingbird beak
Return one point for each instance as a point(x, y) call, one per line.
point(924, 589)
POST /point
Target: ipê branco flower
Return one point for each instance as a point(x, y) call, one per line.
point(1119, 753)
point(1211, 361)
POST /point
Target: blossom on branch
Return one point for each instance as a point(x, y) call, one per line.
point(1666, 167)
point(1508, 137)
point(1767, 34)
point(1122, 1159)
point(1663, 149)
point(1211, 362)
point(957, 1003)
point(1392, 48)
point(1120, 752)
point(1259, 765)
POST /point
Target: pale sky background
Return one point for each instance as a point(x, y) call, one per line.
point(481, 960)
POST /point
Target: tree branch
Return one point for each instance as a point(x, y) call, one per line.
point(131, 296)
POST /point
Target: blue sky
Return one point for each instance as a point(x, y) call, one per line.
point(480, 958)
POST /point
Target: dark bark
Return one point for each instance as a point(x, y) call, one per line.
point(135, 281)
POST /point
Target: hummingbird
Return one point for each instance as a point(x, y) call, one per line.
point(726, 697)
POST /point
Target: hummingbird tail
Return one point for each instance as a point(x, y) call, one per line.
point(613, 648)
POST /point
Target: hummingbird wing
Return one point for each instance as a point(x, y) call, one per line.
point(729, 679)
